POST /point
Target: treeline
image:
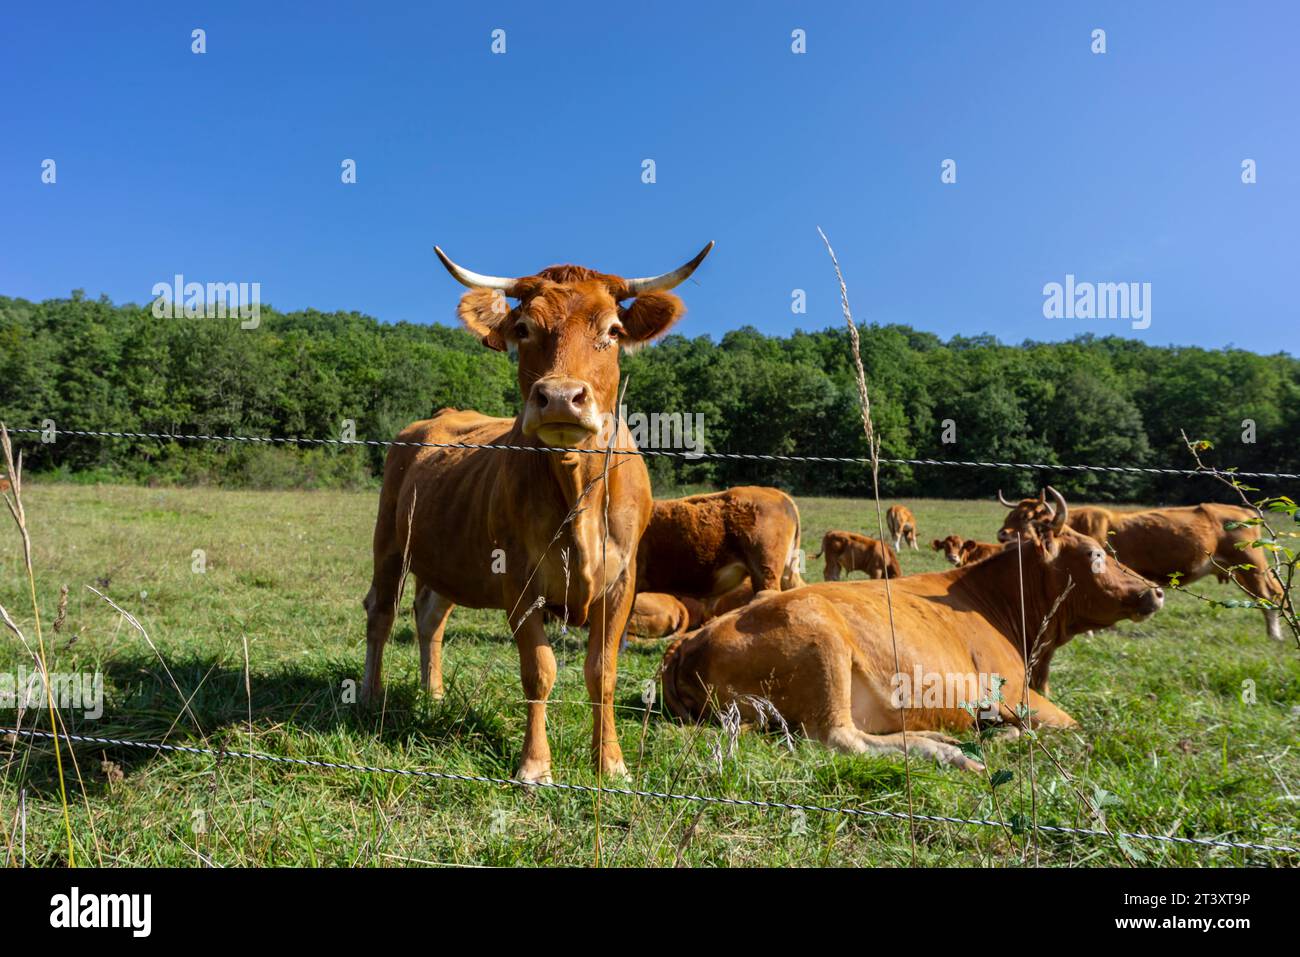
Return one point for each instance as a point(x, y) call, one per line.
point(87, 364)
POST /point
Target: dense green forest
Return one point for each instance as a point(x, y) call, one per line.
point(88, 364)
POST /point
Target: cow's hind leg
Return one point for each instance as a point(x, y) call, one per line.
point(431, 612)
point(928, 744)
point(381, 610)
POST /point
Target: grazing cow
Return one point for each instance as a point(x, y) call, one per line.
point(657, 615)
point(852, 552)
point(823, 655)
point(705, 545)
point(1190, 541)
point(902, 525)
point(528, 530)
point(962, 552)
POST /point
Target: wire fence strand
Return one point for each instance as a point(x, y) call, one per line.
point(660, 453)
point(222, 753)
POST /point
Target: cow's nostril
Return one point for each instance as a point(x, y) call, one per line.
point(541, 398)
point(579, 397)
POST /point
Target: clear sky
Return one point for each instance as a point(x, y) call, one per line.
point(225, 166)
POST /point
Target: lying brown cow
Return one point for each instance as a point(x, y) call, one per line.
point(657, 615)
point(527, 530)
point(1189, 541)
point(705, 545)
point(824, 657)
point(851, 552)
point(961, 552)
point(902, 525)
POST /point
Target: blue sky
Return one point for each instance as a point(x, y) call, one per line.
point(1121, 167)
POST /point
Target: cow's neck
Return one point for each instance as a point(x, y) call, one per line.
point(994, 586)
point(576, 481)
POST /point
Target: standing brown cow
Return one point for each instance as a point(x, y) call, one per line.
point(705, 545)
point(525, 530)
point(857, 553)
point(1190, 541)
point(902, 525)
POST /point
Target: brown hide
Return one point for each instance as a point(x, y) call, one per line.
point(705, 545)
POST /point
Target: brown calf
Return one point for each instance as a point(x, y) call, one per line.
point(962, 552)
point(852, 552)
point(902, 525)
point(525, 530)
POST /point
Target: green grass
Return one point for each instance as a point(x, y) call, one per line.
point(1163, 727)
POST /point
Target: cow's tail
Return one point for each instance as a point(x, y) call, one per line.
point(683, 694)
point(825, 539)
point(792, 560)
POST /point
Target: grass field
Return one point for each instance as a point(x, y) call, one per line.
point(1166, 742)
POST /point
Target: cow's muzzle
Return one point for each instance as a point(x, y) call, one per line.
point(1152, 600)
point(560, 411)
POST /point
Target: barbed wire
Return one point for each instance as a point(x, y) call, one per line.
point(662, 453)
point(222, 753)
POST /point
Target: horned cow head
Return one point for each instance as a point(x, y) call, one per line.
point(1105, 590)
point(567, 327)
point(1024, 515)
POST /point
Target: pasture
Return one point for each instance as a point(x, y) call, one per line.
point(1167, 741)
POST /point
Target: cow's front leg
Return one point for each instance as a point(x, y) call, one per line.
point(537, 672)
point(608, 618)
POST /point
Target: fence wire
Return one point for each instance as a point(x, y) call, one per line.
point(222, 753)
point(661, 453)
point(1020, 826)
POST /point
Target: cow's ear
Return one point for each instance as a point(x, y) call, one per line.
point(484, 313)
point(649, 316)
point(935, 544)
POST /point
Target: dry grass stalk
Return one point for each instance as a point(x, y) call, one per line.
point(873, 445)
point(13, 498)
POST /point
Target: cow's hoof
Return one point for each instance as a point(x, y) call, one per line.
point(951, 754)
point(617, 770)
point(534, 772)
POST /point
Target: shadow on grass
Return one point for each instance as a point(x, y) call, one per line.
point(142, 704)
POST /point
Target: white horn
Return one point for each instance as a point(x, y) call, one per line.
point(473, 279)
point(1062, 511)
point(1005, 503)
point(668, 280)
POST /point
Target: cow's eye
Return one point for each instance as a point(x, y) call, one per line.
point(616, 332)
point(521, 331)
